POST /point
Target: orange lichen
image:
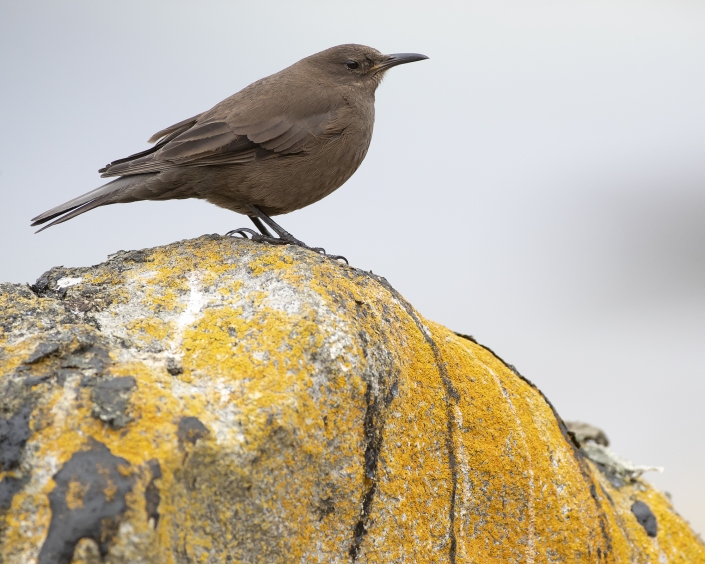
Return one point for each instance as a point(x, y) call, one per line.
point(333, 423)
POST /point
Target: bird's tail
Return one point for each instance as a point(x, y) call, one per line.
point(107, 194)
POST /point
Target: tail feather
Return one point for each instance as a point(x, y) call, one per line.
point(107, 194)
point(73, 213)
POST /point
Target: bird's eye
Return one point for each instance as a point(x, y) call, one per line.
point(351, 64)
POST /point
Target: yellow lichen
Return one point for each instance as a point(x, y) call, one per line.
point(293, 397)
point(75, 494)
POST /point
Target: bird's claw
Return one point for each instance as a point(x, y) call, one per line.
point(337, 258)
point(244, 232)
point(259, 238)
point(322, 251)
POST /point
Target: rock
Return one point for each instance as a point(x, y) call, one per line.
point(218, 400)
point(584, 433)
point(595, 445)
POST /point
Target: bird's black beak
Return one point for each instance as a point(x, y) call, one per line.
point(398, 59)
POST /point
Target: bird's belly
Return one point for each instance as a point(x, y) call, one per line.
point(283, 184)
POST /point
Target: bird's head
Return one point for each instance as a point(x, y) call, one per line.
point(357, 64)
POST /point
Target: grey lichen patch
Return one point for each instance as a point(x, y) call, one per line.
point(139, 256)
point(617, 469)
point(63, 352)
point(584, 432)
point(74, 346)
point(72, 287)
point(594, 445)
point(111, 400)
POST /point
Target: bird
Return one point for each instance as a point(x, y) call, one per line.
point(280, 144)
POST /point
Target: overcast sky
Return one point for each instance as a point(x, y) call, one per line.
point(539, 183)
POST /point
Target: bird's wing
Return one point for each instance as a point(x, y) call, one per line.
point(231, 141)
point(174, 130)
point(163, 136)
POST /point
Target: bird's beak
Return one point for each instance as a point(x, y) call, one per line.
point(398, 59)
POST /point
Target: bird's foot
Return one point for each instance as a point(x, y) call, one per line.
point(290, 240)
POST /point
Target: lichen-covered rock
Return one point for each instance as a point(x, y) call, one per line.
point(217, 400)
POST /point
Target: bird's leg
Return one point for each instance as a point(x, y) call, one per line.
point(284, 237)
point(263, 235)
point(259, 225)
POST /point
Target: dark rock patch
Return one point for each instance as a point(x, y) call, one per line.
point(173, 366)
point(42, 351)
point(87, 502)
point(14, 433)
point(9, 486)
point(191, 429)
point(645, 517)
point(111, 399)
point(325, 507)
point(151, 495)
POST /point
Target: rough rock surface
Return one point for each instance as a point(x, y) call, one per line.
point(216, 400)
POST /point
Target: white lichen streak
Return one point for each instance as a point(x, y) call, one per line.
point(61, 408)
point(196, 302)
point(558, 457)
point(465, 488)
point(68, 282)
point(531, 533)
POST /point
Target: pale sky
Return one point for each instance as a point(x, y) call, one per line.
point(539, 183)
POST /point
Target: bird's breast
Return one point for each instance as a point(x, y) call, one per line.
point(285, 184)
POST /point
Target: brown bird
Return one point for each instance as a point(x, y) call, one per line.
point(280, 144)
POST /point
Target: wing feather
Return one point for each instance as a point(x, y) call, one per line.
point(175, 129)
point(225, 141)
point(264, 131)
